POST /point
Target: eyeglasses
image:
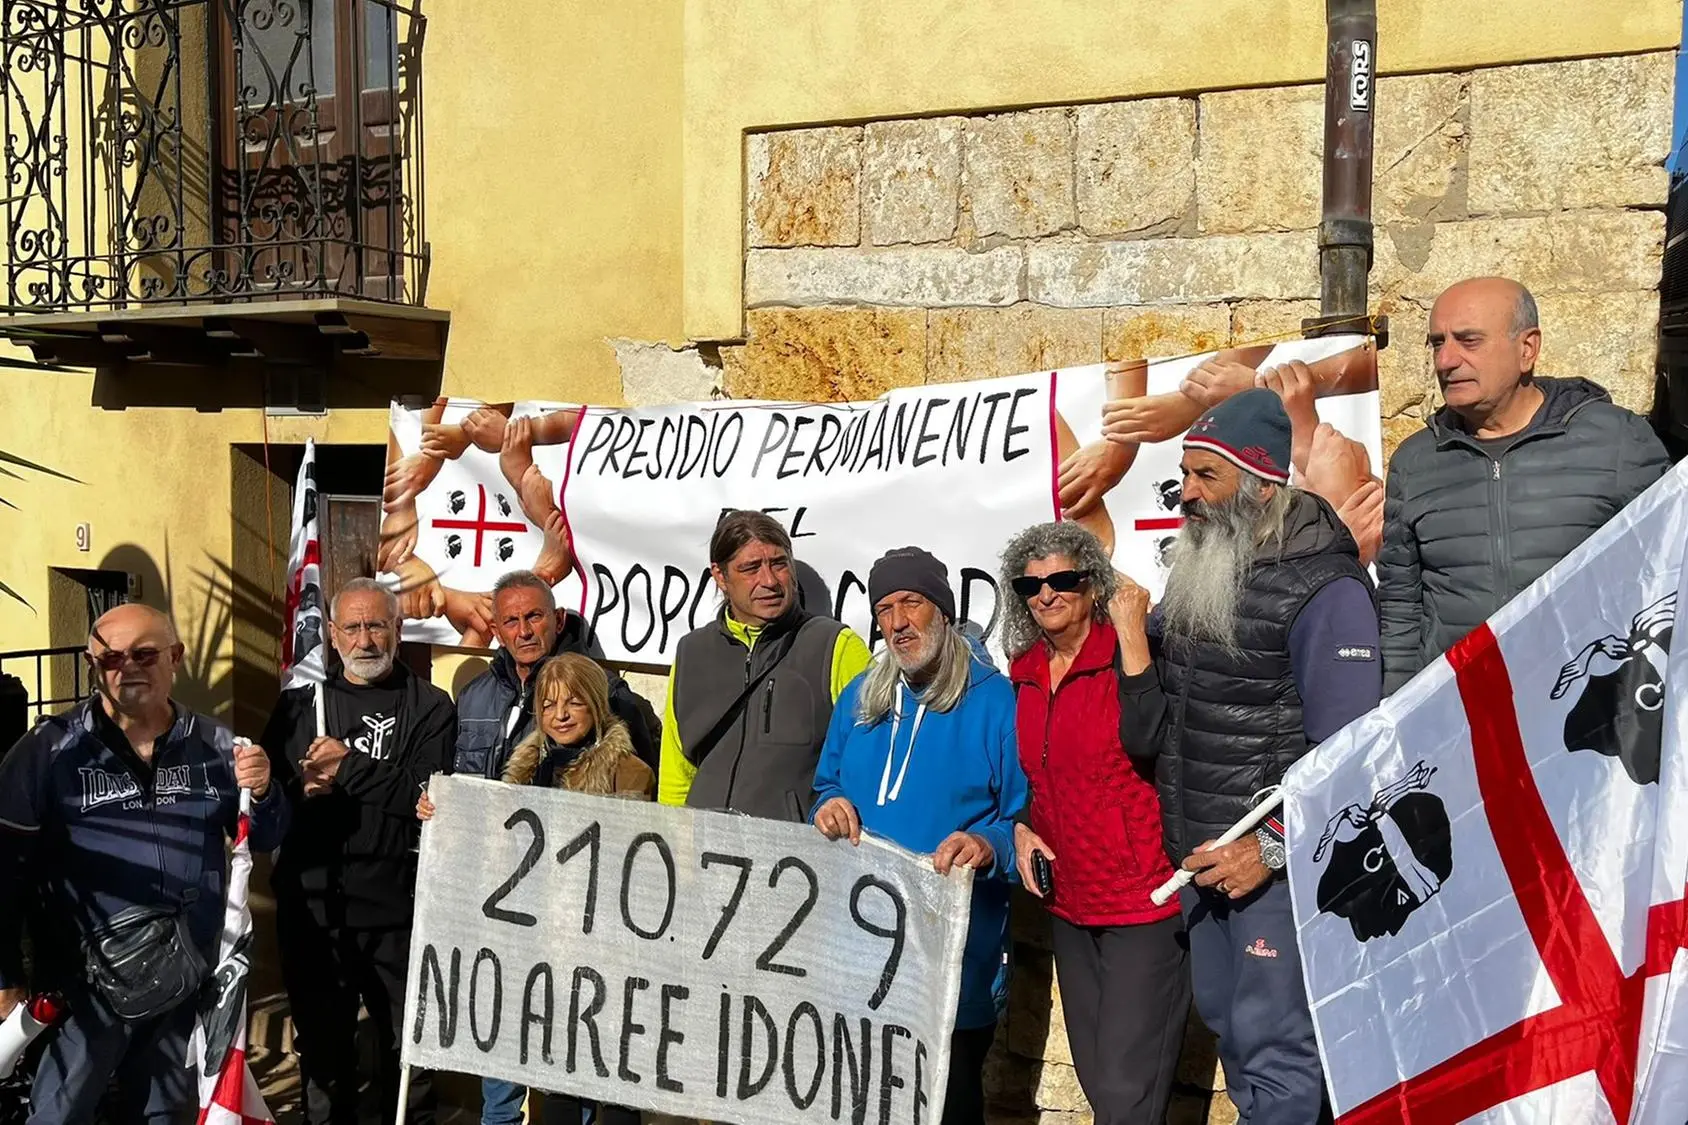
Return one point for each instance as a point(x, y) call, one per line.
point(1062, 582)
point(113, 659)
point(377, 630)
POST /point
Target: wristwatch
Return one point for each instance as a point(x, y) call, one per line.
point(1271, 850)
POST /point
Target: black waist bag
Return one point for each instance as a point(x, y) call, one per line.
point(144, 963)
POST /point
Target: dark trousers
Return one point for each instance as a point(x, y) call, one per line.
point(1246, 970)
point(566, 1109)
point(1125, 991)
point(328, 972)
point(92, 1047)
point(964, 1095)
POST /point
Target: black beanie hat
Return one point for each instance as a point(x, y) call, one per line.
point(1251, 430)
point(910, 568)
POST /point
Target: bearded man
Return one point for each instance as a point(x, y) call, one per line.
point(1265, 643)
point(345, 879)
point(921, 751)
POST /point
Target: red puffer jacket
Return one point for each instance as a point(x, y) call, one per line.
point(1094, 810)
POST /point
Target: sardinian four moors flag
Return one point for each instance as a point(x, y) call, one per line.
point(1489, 870)
point(301, 640)
point(228, 1093)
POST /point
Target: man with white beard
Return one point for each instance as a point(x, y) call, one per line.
point(345, 878)
point(921, 750)
point(1265, 643)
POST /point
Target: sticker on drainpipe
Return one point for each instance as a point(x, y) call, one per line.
point(1360, 77)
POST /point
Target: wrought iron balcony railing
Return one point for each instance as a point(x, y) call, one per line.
point(189, 152)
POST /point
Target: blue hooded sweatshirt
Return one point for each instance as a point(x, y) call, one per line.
point(961, 774)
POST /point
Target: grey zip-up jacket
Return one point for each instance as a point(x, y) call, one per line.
point(1464, 531)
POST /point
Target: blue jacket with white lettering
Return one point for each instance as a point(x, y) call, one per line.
point(88, 830)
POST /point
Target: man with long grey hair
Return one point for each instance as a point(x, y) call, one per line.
point(1265, 643)
point(920, 750)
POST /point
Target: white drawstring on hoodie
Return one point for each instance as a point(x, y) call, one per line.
point(891, 750)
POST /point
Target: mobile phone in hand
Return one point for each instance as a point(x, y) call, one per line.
point(1043, 873)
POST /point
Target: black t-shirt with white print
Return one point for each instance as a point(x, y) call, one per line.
point(350, 853)
point(366, 717)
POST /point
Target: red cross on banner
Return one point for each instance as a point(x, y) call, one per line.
point(1597, 1025)
point(480, 525)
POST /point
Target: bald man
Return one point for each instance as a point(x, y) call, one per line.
point(122, 803)
point(1503, 481)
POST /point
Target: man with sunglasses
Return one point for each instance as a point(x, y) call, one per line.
point(345, 879)
point(1264, 643)
point(122, 804)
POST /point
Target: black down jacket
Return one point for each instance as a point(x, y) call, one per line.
point(1464, 532)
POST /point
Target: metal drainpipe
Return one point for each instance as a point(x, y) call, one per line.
point(1345, 227)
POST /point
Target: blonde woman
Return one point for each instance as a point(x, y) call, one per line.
point(577, 744)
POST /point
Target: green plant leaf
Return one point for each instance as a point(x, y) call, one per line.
point(14, 459)
point(11, 593)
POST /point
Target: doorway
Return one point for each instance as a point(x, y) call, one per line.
point(348, 479)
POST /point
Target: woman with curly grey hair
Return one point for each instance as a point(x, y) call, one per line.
point(1093, 820)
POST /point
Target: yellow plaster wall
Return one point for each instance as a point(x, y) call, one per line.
point(758, 64)
point(553, 208)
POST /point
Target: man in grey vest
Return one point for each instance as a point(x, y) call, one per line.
point(751, 693)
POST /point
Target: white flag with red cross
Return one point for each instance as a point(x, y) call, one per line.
point(1488, 870)
point(228, 1093)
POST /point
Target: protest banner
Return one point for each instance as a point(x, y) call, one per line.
point(616, 506)
point(1488, 871)
point(700, 964)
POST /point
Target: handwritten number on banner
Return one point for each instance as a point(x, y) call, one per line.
point(536, 849)
point(588, 838)
point(730, 910)
point(766, 961)
point(667, 855)
point(893, 934)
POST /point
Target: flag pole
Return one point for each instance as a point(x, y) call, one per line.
point(1181, 878)
point(321, 709)
point(404, 1093)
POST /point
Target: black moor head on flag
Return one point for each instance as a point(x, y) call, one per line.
point(506, 548)
point(456, 501)
point(1163, 552)
point(453, 546)
point(307, 635)
point(222, 1004)
point(1169, 494)
point(503, 504)
point(1386, 858)
point(310, 493)
point(1620, 711)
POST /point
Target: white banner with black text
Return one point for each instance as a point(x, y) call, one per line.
point(700, 964)
point(616, 506)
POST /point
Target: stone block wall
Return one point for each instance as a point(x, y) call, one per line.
point(934, 249)
point(895, 253)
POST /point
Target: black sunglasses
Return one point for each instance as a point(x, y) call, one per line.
point(1062, 582)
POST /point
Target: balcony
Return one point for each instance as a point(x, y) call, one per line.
point(226, 186)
